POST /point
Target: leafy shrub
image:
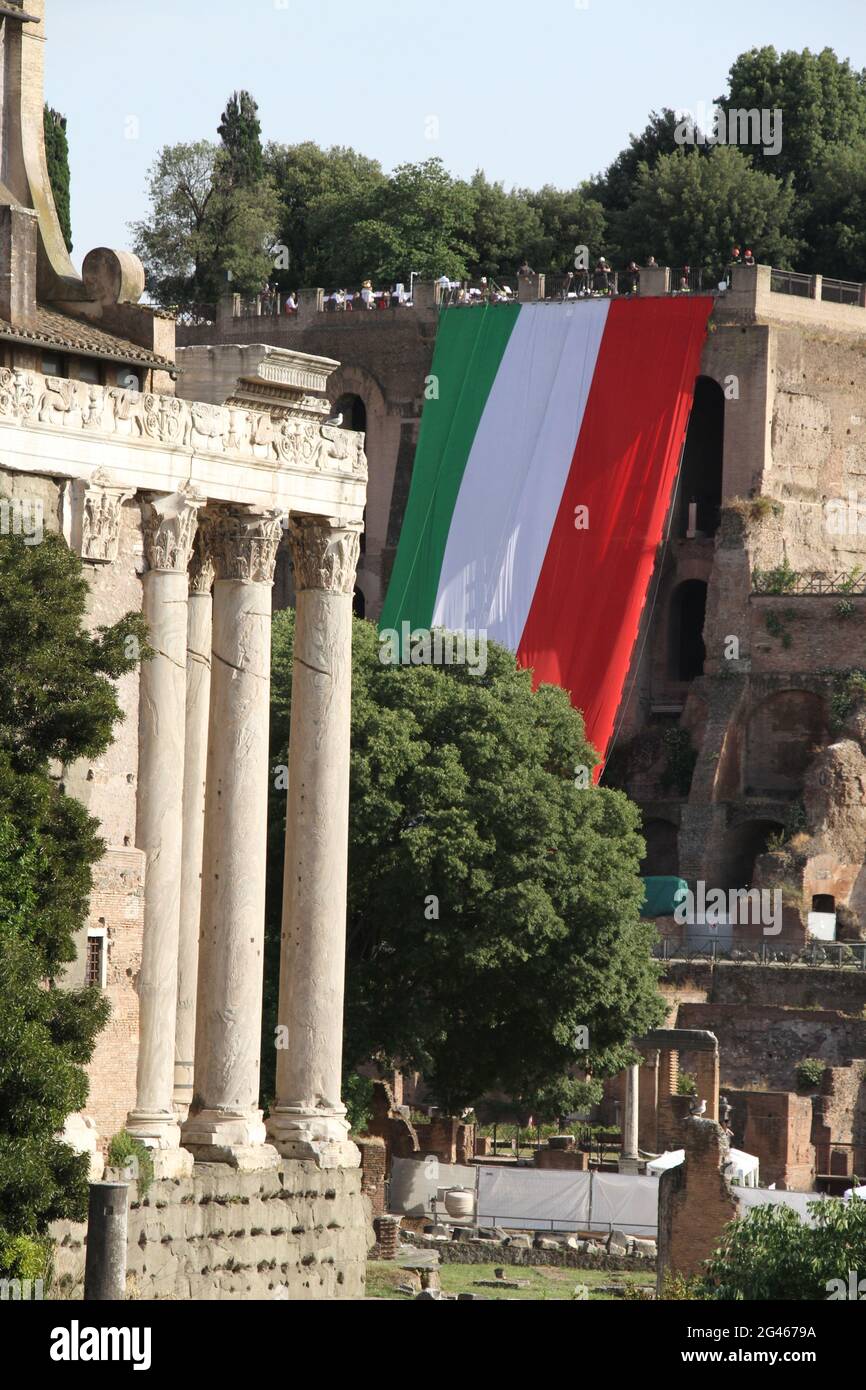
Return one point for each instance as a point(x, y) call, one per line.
point(125, 1151)
point(772, 1255)
point(810, 1073)
point(687, 1084)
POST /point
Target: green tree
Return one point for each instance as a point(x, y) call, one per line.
point(57, 155)
point(58, 703)
point(214, 214)
point(822, 100)
point(506, 229)
point(689, 211)
point(771, 1255)
point(615, 188)
point(837, 222)
point(823, 134)
point(240, 131)
point(313, 186)
point(569, 218)
point(493, 905)
point(175, 241)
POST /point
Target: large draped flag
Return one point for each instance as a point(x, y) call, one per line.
point(546, 463)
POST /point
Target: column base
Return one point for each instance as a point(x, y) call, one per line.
point(628, 1165)
point(158, 1129)
point(215, 1136)
point(318, 1136)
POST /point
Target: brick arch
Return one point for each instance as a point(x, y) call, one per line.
point(742, 846)
point(781, 736)
point(357, 381)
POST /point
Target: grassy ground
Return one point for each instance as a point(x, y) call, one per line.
point(545, 1282)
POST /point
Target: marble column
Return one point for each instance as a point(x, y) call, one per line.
point(169, 529)
point(198, 674)
point(628, 1162)
point(308, 1120)
point(225, 1122)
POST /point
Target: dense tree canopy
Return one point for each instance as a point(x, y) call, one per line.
point(214, 214)
point(57, 703)
point(343, 219)
point(493, 904)
point(688, 211)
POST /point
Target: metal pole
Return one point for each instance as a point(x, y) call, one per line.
point(105, 1264)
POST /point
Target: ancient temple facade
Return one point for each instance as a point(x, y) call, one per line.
point(178, 510)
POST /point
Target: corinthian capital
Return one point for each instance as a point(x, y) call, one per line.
point(201, 565)
point(324, 553)
point(170, 522)
point(245, 543)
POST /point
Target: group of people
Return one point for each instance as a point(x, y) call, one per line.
point(602, 280)
point(272, 302)
point(345, 301)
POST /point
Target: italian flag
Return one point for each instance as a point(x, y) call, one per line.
point(546, 464)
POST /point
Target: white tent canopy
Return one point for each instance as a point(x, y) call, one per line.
point(671, 1159)
point(855, 1192)
point(740, 1167)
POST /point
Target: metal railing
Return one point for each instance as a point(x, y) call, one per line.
point(581, 284)
point(842, 291)
point(769, 583)
point(791, 282)
point(686, 280)
point(839, 955)
point(196, 315)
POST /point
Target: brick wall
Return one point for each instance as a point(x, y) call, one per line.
point(374, 1158)
point(695, 1201)
point(761, 1045)
point(777, 1129)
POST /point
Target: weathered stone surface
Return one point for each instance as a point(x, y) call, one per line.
point(193, 1237)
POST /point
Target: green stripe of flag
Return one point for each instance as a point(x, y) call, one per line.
point(470, 345)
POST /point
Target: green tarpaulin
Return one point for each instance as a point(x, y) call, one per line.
point(661, 895)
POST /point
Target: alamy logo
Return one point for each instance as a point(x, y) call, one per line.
point(739, 907)
point(21, 1290)
point(23, 516)
point(433, 647)
point(77, 1343)
point(854, 1291)
point(714, 125)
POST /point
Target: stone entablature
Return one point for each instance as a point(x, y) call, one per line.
point(299, 440)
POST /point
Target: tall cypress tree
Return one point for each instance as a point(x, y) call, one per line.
point(57, 152)
point(240, 131)
point(58, 703)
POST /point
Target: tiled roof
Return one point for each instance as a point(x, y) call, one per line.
point(77, 335)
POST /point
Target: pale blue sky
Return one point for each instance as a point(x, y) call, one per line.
point(531, 92)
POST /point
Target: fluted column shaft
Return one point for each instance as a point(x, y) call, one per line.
point(198, 677)
point(169, 528)
point(308, 1120)
point(225, 1122)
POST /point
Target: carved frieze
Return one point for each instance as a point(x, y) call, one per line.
point(324, 554)
point(295, 438)
point(101, 508)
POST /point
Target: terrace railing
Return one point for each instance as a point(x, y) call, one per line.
point(775, 584)
point(842, 291)
point(791, 282)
